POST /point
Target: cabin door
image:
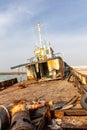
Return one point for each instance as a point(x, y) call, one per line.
point(43, 69)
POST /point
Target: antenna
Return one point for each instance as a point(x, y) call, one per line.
point(40, 37)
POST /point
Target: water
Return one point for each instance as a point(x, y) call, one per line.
point(20, 77)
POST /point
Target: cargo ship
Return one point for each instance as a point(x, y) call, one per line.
point(54, 96)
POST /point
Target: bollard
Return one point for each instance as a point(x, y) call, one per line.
point(4, 118)
point(20, 117)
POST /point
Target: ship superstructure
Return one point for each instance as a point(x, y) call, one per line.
point(43, 51)
point(44, 64)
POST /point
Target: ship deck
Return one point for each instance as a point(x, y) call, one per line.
point(56, 91)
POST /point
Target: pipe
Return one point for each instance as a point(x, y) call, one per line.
point(4, 118)
point(21, 121)
point(36, 105)
point(20, 117)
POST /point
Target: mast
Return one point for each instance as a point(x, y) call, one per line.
point(40, 36)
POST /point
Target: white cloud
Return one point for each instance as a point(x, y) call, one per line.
point(17, 13)
point(3, 19)
point(72, 46)
point(16, 36)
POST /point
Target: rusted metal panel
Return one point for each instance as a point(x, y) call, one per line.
point(74, 122)
point(81, 77)
point(7, 83)
point(53, 64)
point(70, 72)
point(71, 112)
point(55, 67)
point(72, 119)
point(31, 72)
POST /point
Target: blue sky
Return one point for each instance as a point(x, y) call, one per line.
point(63, 23)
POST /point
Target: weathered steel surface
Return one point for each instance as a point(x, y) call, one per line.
point(20, 117)
point(74, 122)
point(70, 72)
point(21, 121)
point(72, 119)
point(70, 112)
point(56, 67)
point(42, 123)
point(76, 112)
point(17, 66)
point(81, 77)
